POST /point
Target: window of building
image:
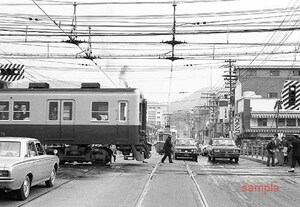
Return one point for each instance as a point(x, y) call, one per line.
point(262, 121)
point(251, 72)
point(21, 110)
point(281, 122)
point(4, 110)
point(100, 111)
point(296, 72)
point(272, 95)
point(291, 122)
point(274, 72)
point(298, 122)
point(123, 111)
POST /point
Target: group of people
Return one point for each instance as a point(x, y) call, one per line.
point(279, 149)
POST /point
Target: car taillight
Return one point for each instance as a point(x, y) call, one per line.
point(4, 173)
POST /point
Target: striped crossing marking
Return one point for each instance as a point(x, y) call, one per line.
point(285, 95)
point(9, 77)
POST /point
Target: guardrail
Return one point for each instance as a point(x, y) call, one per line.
point(257, 151)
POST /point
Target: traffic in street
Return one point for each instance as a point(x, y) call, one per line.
point(182, 183)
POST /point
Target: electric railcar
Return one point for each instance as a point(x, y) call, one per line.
point(161, 137)
point(76, 122)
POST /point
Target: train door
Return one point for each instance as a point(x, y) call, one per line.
point(60, 120)
point(122, 126)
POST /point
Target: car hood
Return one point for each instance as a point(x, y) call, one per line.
point(225, 147)
point(7, 162)
point(185, 147)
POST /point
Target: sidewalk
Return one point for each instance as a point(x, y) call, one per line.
point(263, 160)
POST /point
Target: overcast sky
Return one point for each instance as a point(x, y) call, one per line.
point(126, 41)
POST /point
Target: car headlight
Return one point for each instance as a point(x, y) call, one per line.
point(4, 173)
point(236, 151)
point(216, 150)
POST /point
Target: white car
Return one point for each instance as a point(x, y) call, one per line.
point(24, 163)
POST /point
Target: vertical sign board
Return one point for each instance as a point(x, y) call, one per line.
point(285, 95)
point(11, 72)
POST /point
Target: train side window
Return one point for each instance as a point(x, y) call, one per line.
point(53, 111)
point(4, 110)
point(123, 111)
point(21, 110)
point(68, 109)
point(100, 111)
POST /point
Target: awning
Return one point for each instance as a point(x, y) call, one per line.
point(273, 130)
point(274, 115)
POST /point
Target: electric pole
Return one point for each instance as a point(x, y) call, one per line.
point(230, 80)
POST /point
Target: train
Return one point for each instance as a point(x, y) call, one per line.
point(78, 124)
point(161, 137)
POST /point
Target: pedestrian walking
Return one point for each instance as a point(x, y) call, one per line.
point(271, 147)
point(279, 153)
point(295, 146)
point(168, 150)
point(285, 145)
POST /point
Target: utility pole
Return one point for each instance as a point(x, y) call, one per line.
point(230, 79)
point(278, 107)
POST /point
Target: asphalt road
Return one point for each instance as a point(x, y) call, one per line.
point(182, 183)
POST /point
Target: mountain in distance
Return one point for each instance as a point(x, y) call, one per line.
point(187, 103)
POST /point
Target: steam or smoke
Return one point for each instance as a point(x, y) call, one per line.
point(122, 77)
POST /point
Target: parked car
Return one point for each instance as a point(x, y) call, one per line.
point(186, 148)
point(223, 148)
point(23, 164)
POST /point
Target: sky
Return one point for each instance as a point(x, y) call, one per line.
point(129, 41)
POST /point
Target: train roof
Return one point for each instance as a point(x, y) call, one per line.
point(90, 87)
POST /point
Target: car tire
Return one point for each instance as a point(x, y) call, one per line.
point(209, 158)
point(50, 182)
point(213, 159)
point(24, 191)
point(236, 160)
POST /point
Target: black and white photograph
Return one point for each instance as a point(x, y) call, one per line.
point(149, 103)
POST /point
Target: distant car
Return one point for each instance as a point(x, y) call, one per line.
point(23, 164)
point(186, 148)
point(223, 148)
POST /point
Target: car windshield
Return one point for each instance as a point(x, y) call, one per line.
point(185, 142)
point(10, 149)
point(223, 142)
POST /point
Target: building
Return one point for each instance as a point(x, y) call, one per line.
point(156, 113)
point(256, 94)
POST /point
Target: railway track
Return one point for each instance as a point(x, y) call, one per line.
point(142, 195)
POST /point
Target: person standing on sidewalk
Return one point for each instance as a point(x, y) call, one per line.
point(295, 146)
point(285, 145)
point(271, 147)
point(168, 150)
point(279, 152)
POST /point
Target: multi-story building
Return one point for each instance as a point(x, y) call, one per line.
point(156, 113)
point(257, 91)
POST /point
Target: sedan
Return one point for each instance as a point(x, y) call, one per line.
point(223, 148)
point(23, 164)
point(186, 148)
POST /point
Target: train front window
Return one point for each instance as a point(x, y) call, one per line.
point(4, 110)
point(21, 110)
point(100, 111)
